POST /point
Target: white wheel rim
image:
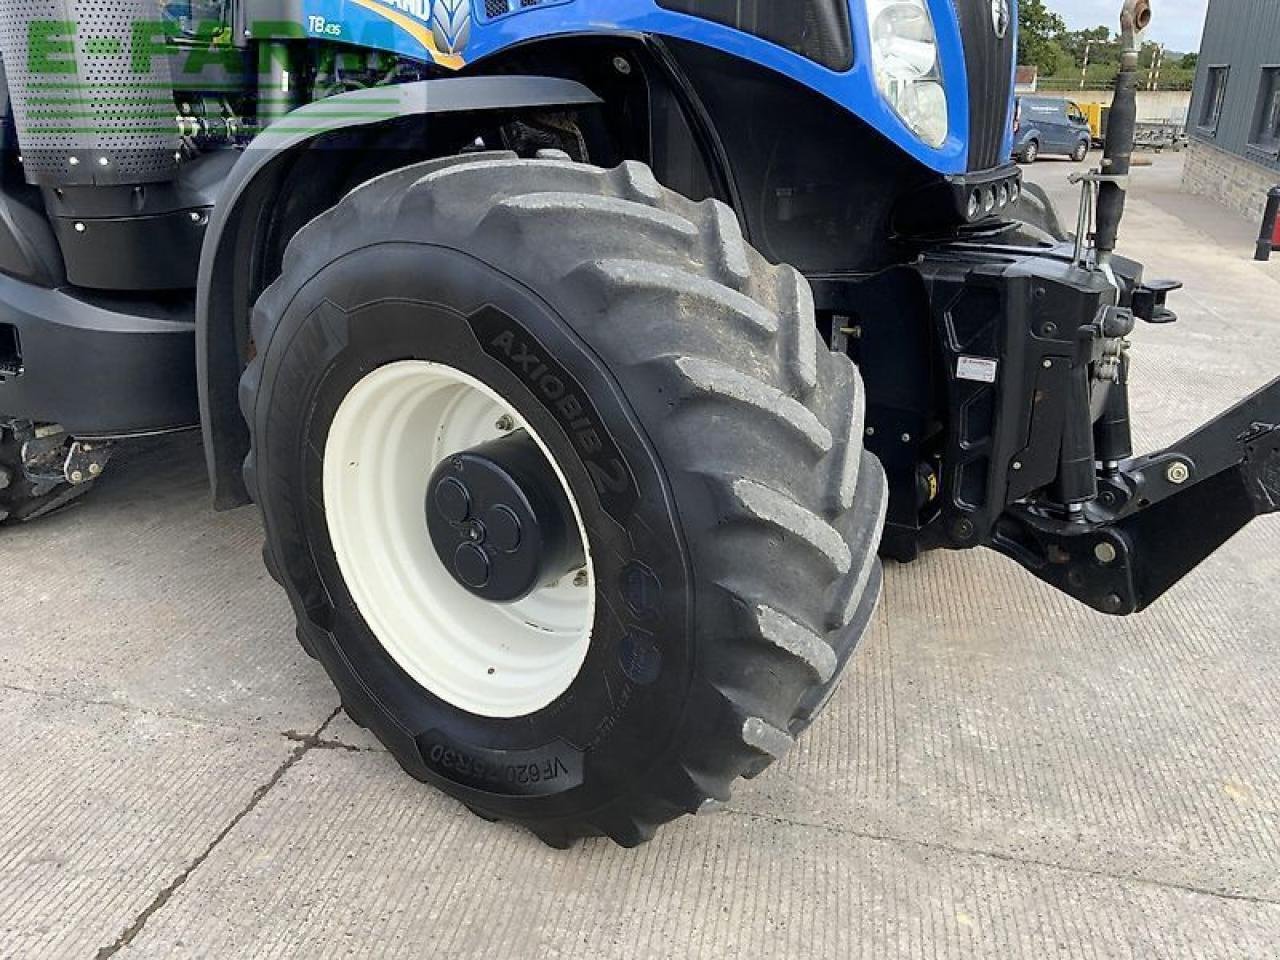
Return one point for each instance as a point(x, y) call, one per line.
point(390, 433)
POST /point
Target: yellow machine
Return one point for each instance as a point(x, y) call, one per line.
point(1096, 114)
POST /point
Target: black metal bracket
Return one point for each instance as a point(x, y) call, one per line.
point(51, 457)
point(1149, 301)
point(1156, 517)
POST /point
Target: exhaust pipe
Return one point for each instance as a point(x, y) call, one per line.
point(1117, 156)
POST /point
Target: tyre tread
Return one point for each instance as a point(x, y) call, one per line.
point(747, 348)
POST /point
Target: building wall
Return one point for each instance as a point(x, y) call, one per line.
point(1236, 183)
point(1245, 36)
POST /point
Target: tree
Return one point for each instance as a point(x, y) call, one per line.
point(1190, 61)
point(1038, 27)
point(1055, 60)
point(1097, 41)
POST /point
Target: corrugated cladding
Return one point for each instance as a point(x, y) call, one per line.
point(1245, 36)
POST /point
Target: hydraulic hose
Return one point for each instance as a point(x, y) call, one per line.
point(1117, 157)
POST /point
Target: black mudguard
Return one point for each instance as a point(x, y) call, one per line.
point(230, 276)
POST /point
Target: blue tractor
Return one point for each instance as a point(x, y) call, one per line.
point(584, 357)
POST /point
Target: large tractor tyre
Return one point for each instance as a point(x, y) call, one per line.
point(21, 498)
point(568, 499)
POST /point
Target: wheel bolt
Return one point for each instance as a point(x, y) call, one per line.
point(1177, 473)
point(505, 423)
point(581, 579)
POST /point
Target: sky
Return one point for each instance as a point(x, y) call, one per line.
point(1177, 23)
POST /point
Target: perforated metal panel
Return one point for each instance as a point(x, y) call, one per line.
point(494, 9)
point(102, 116)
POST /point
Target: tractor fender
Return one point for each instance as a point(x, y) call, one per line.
point(228, 281)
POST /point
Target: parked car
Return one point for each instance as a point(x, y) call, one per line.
point(1044, 125)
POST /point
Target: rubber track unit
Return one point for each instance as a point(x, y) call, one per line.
point(761, 415)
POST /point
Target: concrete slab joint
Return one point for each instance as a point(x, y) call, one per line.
point(304, 744)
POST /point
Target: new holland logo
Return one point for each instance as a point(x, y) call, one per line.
point(451, 24)
point(1001, 17)
point(442, 26)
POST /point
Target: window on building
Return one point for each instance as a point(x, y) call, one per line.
point(1266, 123)
point(1215, 94)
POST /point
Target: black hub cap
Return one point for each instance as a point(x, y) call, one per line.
point(500, 521)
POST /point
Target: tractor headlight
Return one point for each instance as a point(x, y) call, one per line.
point(904, 57)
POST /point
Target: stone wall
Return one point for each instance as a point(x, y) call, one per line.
point(1154, 106)
point(1232, 181)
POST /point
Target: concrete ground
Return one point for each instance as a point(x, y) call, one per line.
point(1003, 773)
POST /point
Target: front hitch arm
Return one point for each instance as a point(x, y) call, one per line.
point(1158, 516)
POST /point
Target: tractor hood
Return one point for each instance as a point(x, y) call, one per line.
point(838, 48)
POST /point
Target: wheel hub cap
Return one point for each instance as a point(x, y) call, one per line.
point(499, 520)
point(449, 519)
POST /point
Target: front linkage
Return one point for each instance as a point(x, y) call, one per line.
point(1026, 446)
point(1039, 463)
point(1155, 517)
point(1137, 526)
point(1036, 459)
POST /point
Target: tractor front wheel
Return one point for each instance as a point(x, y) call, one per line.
point(568, 498)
